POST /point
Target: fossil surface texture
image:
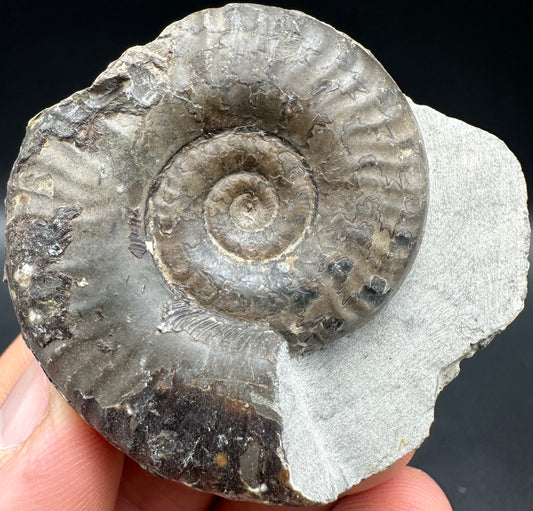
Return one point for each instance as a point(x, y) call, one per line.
point(251, 263)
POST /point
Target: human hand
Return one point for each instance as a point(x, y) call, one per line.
point(50, 459)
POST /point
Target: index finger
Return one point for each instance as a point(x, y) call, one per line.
point(13, 363)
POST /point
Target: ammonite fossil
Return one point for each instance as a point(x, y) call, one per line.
point(212, 221)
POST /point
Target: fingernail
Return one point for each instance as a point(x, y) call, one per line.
point(24, 407)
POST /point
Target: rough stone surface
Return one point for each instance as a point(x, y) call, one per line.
point(203, 383)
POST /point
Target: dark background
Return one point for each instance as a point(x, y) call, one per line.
point(469, 60)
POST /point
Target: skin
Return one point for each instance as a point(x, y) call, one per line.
point(64, 465)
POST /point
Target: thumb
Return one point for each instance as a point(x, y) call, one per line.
point(49, 458)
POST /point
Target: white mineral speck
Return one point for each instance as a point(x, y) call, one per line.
point(23, 275)
point(34, 316)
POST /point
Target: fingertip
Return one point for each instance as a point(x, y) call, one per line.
point(410, 489)
point(13, 363)
point(62, 465)
point(380, 477)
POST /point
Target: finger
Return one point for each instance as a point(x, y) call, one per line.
point(49, 458)
point(380, 477)
point(142, 491)
point(13, 362)
point(409, 490)
point(229, 505)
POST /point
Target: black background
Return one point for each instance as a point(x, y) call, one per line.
point(469, 60)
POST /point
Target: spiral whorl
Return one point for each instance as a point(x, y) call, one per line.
point(300, 202)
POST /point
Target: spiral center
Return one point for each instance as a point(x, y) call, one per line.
point(254, 210)
point(226, 204)
point(240, 203)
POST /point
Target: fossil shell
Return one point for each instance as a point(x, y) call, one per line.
point(251, 179)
